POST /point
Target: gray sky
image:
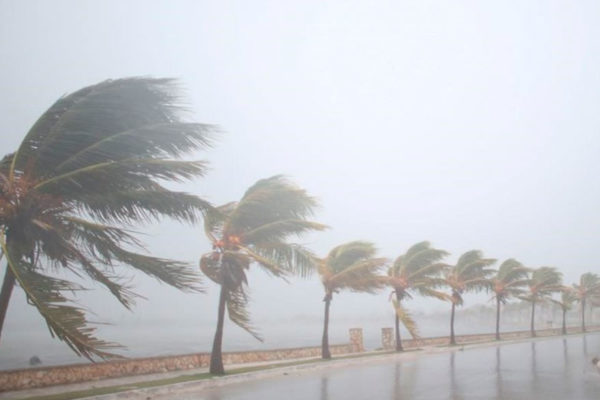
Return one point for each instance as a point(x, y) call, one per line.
point(470, 124)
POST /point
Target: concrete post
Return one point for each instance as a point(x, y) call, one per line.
point(356, 340)
point(387, 339)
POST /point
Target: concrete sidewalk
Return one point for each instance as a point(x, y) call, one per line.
point(139, 379)
point(132, 387)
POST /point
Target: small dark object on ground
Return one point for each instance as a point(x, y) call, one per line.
point(35, 360)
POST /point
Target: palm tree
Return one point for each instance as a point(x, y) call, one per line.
point(87, 169)
point(567, 299)
point(469, 274)
point(418, 270)
point(543, 283)
point(350, 266)
point(255, 231)
point(588, 288)
point(509, 282)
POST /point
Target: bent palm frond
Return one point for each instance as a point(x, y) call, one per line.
point(256, 231)
point(98, 156)
point(65, 321)
point(406, 319)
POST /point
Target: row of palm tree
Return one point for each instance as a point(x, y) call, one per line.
point(255, 231)
point(420, 271)
point(94, 165)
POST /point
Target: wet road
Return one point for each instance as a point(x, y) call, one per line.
point(545, 369)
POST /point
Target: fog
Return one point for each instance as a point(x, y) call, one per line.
point(473, 125)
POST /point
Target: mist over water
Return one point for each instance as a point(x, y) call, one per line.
point(172, 336)
point(473, 125)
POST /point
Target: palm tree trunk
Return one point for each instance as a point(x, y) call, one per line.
point(452, 339)
point(564, 324)
point(325, 354)
point(497, 318)
point(532, 318)
point(583, 315)
point(397, 325)
point(7, 287)
point(216, 357)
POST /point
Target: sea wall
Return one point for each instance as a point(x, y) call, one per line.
point(76, 373)
point(389, 343)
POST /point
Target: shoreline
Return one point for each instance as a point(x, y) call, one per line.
point(164, 385)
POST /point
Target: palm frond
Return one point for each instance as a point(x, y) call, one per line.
point(567, 299)
point(546, 278)
point(65, 321)
point(210, 266)
point(269, 200)
point(342, 256)
point(469, 257)
point(132, 173)
point(172, 139)
point(427, 271)
point(133, 206)
point(588, 287)
point(177, 274)
point(268, 264)
point(255, 231)
point(98, 114)
point(416, 258)
point(428, 292)
point(469, 274)
point(406, 319)
point(291, 257)
point(511, 270)
point(102, 242)
point(99, 154)
point(360, 277)
point(215, 218)
point(237, 309)
point(280, 230)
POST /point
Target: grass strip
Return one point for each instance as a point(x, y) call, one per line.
point(178, 379)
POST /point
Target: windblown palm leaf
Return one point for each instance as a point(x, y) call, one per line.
point(255, 231)
point(568, 297)
point(508, 282)
point(471, 273)
point(587, 289)
point(544, 282)
point(419, 271)
point(351, 266)
point(90, 167)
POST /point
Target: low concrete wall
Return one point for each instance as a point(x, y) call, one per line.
point(76, 373)
point(390, 343)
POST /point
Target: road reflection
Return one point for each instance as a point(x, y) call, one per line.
point(548, 369)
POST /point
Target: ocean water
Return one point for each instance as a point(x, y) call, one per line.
point(180, 337)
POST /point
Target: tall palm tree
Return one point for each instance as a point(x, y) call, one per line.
point(90, 167)
point(255, 231)
point(543, 283)
point(471, 273)
point(352, 266)
point(567, 299)
point(588, 288)
point(508, 282)
point(418, 270)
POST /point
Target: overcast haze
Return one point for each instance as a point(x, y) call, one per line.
point(469, 124)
